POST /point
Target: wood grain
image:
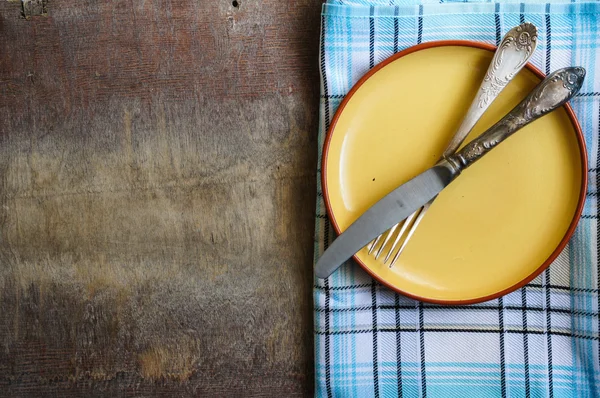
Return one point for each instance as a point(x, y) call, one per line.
point(157, 162)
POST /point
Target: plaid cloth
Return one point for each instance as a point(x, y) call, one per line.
point(539, 341)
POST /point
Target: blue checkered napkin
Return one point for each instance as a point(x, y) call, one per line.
point(540, 341)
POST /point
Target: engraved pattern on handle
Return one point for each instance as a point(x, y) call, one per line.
point(512, 54)
point(554, 91)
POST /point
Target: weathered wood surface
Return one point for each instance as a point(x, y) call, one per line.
point(157, 162)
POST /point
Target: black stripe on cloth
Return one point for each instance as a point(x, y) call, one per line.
point(525, 343)
point(549, 337)
point(548, 38)
point(374, 283)
point(548, 303)
point(563, 311)
point(598, 233)
point(398, 346)
point(332, 96)
point(422, 350)
point(375, 359)
point(364, 285)
point(396, 12)
point(372, 38)
point(327, 320)
point(326, 227)
point(465, 330)
point(532, 285)
point(522, 15)
point(502, 351)
point(420, 25)
point(327, 344)
point(592, 94)
point(497, 22)
point(324, 76)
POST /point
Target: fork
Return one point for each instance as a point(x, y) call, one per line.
point(513, 52)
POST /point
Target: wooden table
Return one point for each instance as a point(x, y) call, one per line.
point(158, 171)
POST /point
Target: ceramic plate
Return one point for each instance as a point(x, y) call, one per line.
point(500, 223)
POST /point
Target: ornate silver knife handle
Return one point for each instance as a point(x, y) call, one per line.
point(512, 54)
point(554, 91)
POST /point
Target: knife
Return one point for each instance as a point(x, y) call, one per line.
point(554, 91)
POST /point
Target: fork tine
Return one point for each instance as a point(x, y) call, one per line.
point(374, 243)
point(387, 239)
point(406, 224)
point(409, 235)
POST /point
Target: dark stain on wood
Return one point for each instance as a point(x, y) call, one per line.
point(157, 162)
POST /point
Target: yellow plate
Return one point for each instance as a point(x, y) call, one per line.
point(502, 221)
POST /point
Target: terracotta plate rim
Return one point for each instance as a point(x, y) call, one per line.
point(563, 242)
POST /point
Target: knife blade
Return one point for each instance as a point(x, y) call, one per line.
point(397, 205)
point(554, 91)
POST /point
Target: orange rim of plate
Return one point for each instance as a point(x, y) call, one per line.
point(582, 153)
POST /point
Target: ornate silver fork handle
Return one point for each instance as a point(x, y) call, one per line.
point(553, 92)
point(514, 51)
